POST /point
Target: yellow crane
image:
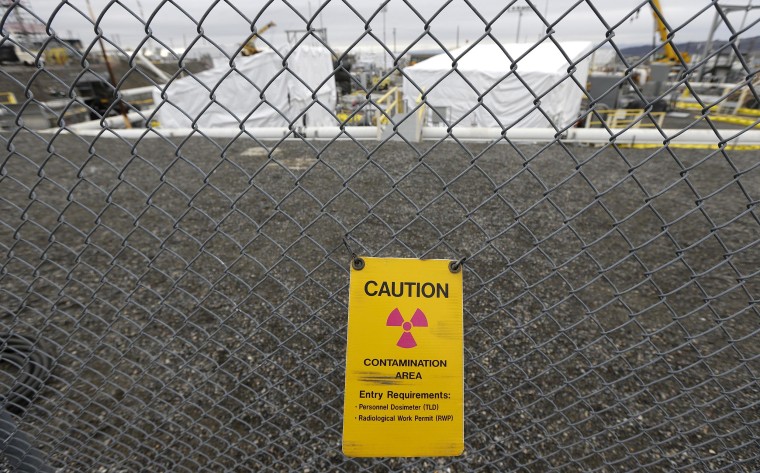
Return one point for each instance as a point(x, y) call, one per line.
point(669, 55)
point(249, 49)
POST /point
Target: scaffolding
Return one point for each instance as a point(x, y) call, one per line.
point(21, 24)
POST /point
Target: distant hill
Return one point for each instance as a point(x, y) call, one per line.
point(746, 45)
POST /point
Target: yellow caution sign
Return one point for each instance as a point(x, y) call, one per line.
point(405, 359)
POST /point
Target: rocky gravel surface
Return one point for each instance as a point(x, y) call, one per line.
point(194, 295)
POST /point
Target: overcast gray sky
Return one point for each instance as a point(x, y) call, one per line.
point(225, 26)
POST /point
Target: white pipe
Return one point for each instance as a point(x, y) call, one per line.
point(115, 122)
point(260, 133)
point(653, 136)
point(163, 76)
point(489, 133)
point(535, 135)
point(148, 89)
point(58, 104)
point(599, 135)
point(722, 85)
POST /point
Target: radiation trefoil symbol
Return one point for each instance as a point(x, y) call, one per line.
point(395, 319)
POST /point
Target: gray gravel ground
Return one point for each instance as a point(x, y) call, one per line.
point(194, 294)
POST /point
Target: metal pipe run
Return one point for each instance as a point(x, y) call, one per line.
point(111, 123)
point(632, 136)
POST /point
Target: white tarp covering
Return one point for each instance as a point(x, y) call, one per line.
point(485, 66)
point(258, 91)
point(605, 57)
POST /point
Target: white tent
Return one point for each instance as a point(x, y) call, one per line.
point(487, 68)
point(259, 91)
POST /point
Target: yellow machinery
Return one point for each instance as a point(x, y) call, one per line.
point(250, 47)
point(58, 56)
point(669, 55)
point(346, 118)
point(381, 84)
point(8, 98)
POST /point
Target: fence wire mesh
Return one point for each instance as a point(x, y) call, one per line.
point(174, 272)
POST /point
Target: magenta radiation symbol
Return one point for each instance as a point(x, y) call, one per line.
point(395, 319)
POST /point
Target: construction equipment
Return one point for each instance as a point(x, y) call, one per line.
point(14, 54)
point(249, 49)
point(669, 56)
point(8, 98)
point(57, 56)
point(97, 94)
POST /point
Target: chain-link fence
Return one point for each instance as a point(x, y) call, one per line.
point(176, 228)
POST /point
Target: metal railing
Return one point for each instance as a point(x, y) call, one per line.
point(173, 296)
point(391, 103)
point(626, 118)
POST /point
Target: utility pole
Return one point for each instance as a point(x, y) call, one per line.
point(385, 55)
point(519, 11)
